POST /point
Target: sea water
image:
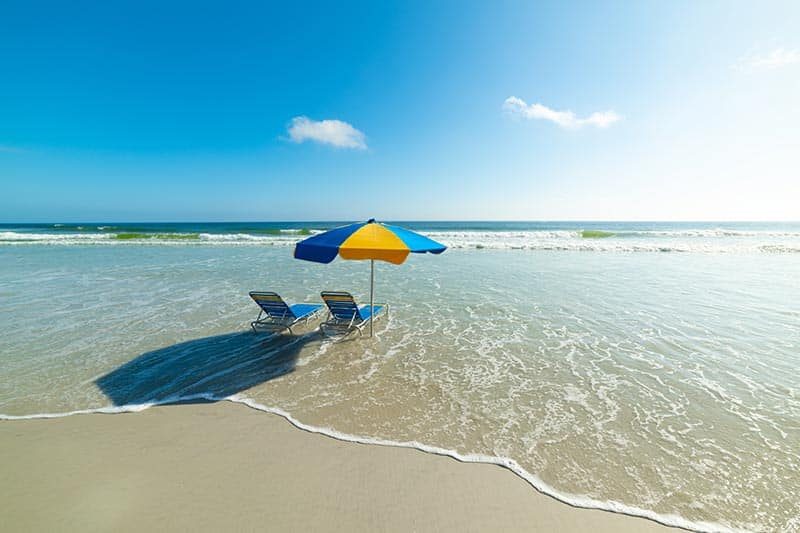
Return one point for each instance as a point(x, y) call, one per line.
point(649, 368)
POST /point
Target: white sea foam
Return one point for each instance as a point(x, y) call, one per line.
point(244, 238)
point(45, 238)
point(683, 241)
point(505, 462)
point(113, 409)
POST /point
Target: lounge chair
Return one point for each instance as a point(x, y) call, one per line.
point(276, 316)
point(345, 316)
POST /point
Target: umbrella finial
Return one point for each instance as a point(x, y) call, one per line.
point(371, 221)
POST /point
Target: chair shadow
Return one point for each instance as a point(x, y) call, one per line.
point(203, 370)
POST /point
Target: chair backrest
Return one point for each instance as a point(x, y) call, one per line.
point(342, 306)
point(272, 304)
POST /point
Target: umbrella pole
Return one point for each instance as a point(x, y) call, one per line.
point(371, 295)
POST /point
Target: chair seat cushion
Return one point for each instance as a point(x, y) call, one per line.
point(301, 310)
point(365, 310)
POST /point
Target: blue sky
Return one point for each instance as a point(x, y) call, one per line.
point(164, 111)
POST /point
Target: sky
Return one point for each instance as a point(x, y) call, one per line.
point(170, 111)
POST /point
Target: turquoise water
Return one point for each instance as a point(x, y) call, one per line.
point(611, 373)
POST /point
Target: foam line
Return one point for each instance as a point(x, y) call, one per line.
point(711, 241)
point(114, 409)
point(505, 462)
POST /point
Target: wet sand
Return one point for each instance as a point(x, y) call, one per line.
point(226, 467)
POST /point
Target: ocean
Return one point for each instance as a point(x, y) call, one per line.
point(650, 368)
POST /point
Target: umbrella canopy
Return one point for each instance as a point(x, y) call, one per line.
point(366, 240)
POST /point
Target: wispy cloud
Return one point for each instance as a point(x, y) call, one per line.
point(334, 132)
point(776, 58)
point(566, 119)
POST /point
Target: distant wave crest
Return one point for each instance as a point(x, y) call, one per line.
point(684, 240)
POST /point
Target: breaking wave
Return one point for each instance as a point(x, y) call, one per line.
point(715, 240)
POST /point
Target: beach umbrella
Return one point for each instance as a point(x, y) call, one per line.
point(366, 240)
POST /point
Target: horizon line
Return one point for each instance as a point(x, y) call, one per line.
point(295, 221)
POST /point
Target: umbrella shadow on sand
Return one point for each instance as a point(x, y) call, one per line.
point(203, 370)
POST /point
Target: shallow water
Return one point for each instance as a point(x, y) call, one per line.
point(661, 382)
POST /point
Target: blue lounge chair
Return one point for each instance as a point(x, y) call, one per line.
point(345, 316)
point(276, 315)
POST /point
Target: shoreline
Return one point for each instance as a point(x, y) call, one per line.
point(169, 459)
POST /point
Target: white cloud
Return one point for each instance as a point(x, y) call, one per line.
point(334, 132)
point(777, 58)
point(566, 119)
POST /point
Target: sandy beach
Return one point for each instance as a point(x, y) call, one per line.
point(400, 266)
point(640, 393)
point(221, 466)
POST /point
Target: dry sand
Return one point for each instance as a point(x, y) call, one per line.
point(225, 467)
